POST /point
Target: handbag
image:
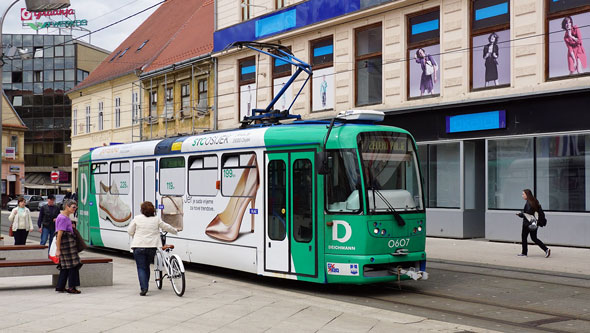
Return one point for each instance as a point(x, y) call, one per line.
point(53, 249)
point(429, 68)
point(80, 244)
point(10, 232)
point(533, 224)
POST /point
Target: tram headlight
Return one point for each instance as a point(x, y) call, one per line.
point(415, 230)
point(383, 232)
point(419, 228)
point(376, 231)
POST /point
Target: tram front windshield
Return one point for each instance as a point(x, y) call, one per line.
point(390, 172)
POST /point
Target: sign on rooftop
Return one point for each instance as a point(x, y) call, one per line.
point(51, 19)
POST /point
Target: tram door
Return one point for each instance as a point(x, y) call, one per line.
point(290, 240)
point(144, 184)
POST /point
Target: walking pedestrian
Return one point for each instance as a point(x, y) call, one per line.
point(67, 251)
point(46, 221)
point(145, 230)
point(531, 207)
point(21, 223)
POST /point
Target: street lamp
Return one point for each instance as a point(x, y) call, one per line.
point(32, 6)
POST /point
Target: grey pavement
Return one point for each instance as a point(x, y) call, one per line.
point(213, 303)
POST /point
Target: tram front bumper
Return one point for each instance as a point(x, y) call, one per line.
point(374, 269)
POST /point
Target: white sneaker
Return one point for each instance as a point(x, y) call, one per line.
point(111, 207)
point(547, 253)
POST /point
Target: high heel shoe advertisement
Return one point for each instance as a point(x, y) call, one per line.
point(227, 225)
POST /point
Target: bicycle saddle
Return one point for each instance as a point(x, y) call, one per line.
point(168, 246)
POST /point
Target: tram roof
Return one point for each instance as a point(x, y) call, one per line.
point(343, 135)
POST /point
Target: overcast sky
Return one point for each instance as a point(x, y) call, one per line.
point(99, 13)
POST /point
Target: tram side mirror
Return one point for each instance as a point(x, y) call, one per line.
point(325, 163)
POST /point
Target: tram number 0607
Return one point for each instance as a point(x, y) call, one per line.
point(402, 242)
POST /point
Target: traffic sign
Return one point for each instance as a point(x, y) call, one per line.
point(54, 176)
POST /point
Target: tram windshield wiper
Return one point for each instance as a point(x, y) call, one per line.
point(398, 218)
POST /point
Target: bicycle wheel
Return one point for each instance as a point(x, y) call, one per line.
point(176, 277)
point(158, 270)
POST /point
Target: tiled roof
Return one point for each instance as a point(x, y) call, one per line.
point(176, 31)
point(193, 39)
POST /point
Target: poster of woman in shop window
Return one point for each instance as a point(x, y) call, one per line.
point(424, 71)
point(567, 50)
point(490, 59)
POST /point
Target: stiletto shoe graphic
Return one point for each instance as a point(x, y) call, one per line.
point(226, 225)
point(111, 207)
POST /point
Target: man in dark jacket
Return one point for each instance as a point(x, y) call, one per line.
point(46, 221)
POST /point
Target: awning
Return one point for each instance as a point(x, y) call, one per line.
point(42, 181)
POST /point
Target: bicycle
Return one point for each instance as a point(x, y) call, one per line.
point(170, 263)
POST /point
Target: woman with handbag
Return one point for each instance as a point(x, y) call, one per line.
point(21, 222)
point(531, 207)
point(67, 250)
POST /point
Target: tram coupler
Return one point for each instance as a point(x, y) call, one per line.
point(411, 272)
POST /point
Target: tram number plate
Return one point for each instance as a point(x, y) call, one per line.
point(401, 242)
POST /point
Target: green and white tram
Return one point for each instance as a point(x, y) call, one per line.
point(318, 201)
point(257, 199)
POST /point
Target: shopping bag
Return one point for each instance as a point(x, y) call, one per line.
point(53, 250)
point(10, 233)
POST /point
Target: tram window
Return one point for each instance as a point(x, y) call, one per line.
point(202, 175)
point(172, 181)
point(239, 175)
point(302, 202)
point(119, 183)
point(277, 200)
point(100, 178)
point(343, 182)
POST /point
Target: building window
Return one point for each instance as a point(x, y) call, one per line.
point(568, 23)
point(136, 107)
point(202, 102)
point(75, 121)
point(38, 52)
point(38, 76)
point(142, 45)
point(169, 107)
point(117, 112)
point(490, 44)
point(442, 172)
point(562, 173)
point(368, 65)
point(58, 51)
point(100, 115)
point(81, 75)
point(279, 4)
point(87, 118)
point(58, 75)
point(185, 99)
point(14, 143)
point(509, 172)
point(245, 5)
point(424, 54)
point(322, 83)
point(154, 105)
point(17, 100)
point(17, 77)
point(247, 82)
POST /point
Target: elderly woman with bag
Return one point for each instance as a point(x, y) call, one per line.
point(21, 222)
point(67, 250)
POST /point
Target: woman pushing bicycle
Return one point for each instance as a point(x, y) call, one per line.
point(145, 230)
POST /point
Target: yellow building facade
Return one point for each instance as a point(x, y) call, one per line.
point(13, 150)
